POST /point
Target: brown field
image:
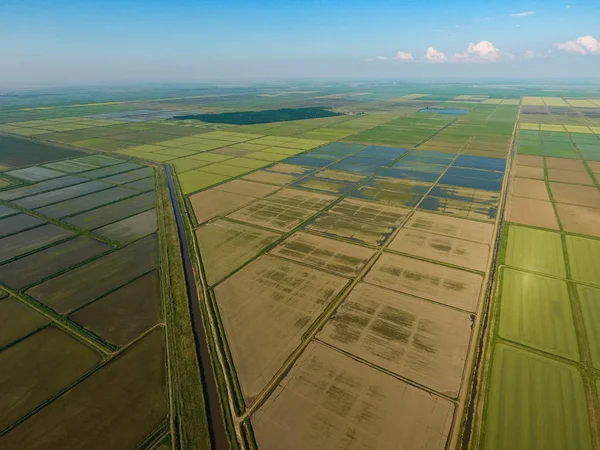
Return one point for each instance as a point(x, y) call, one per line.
point(266, 307)
point(242, 187)
point(458, 252)
point(358, 220)
point(576, 195)
point(579, 219)
point(17, 320)
point(468, 230)
point(453, 287)
point(125, 313)
point(529, 172)
point(41, 365)
point(413, 338)
point(570, 176)
point(330, 401)
point(116, 407)
point(564, 163)
point(90, 281)
point(528, 211)
point(213, 203)
point(532, 161)
point(323, 253)
point(225, 246)
point(536, 189)
point(272, 215)
point(130, 229)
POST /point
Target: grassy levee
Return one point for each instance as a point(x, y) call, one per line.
point(216, 365)
point(248, 434)
point(238, 397)
point(189, 410)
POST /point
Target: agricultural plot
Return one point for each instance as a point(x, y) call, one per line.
point(536, 312)
point(404, 211)
point(457, 252)
point(88, 282)
point(540, 307)
point(129, 402)
point(17, 321)
point(441, 284)
point(327, 254)
point(329, 400)
point(410, 337)
point(125, 313)
point(285, 298)
point(226, 245)
point(540, 400)
point(360, 221)
point(109, 296)
point(44, 364)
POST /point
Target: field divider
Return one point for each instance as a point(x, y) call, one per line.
point(474, 394)
point(453, 400)
point(62, 322)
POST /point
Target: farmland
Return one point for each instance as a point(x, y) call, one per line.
point(83, 312)
point(416, 270)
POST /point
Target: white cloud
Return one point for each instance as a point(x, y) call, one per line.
point(523, 14)
point(434, 55)
point(582, 45)
point(405, 56)
point(482, 51)
point(568, 6)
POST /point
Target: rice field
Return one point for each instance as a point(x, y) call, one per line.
point(346, 260)
point(82, 287)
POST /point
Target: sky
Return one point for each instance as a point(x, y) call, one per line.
point(63, 42)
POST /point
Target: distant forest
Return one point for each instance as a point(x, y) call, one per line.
point(266, 116)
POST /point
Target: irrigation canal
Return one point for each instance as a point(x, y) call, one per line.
point(216, 426)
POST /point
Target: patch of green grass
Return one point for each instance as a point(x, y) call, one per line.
point(195, 180)
point(584, 259)
point(536, 311)
point(589, 298)
point(535, 250)
point(534, 403)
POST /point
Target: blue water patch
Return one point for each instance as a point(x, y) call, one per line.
point(356, 159)
point(420, 166)
point(355, 168)
point(453, 112)
point(337, 187)
point(387, 153)
point(409, 174)
point(308, 161)
point(480, 162)
point(471, 178)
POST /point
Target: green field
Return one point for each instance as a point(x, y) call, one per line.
point(536, 312)
point(533, 403)
point(535, 250)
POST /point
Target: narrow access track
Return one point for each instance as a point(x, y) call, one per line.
point(216, 427)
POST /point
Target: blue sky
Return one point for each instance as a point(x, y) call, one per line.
point(67, 41)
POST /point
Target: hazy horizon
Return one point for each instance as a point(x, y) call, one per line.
point(73, 43)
